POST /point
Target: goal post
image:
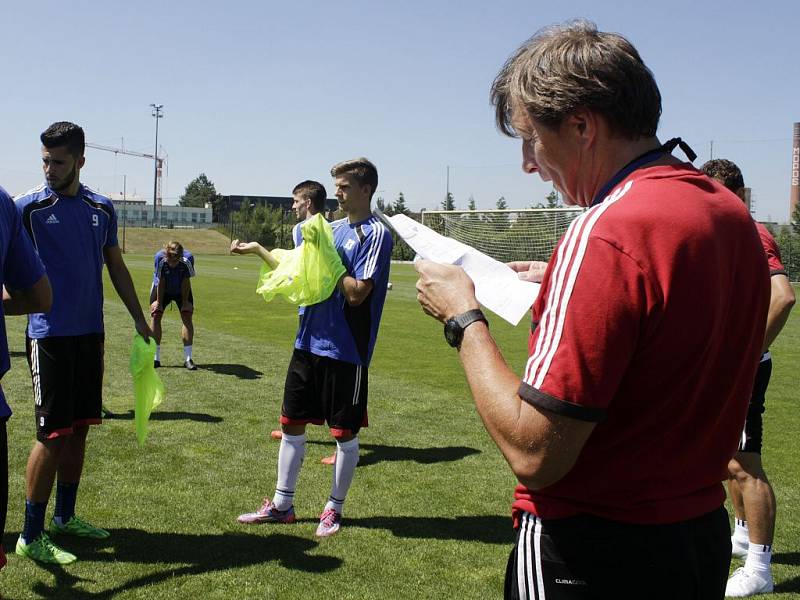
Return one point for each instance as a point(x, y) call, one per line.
point(505, 235)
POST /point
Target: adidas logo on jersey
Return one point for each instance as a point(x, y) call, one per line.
point(52, 220)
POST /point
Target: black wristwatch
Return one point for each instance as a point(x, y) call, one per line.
point(454, 328)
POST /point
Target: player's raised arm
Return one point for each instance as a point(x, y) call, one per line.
point(238, 247)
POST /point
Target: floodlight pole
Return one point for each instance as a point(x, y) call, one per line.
point(157, 113)
point(124, 210)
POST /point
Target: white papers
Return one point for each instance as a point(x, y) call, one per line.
point(497, 286)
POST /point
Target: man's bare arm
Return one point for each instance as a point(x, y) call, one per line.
point(781, 301)
point(123, 284)
point(355, 291)
point(35, 299)
point(539, 446)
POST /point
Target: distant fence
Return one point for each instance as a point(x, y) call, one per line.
point(272, 228)
point(121, 222)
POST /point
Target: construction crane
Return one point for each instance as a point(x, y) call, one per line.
point(161, 163)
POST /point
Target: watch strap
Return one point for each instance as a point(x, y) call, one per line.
point(466, 319)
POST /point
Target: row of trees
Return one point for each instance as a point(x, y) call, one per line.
point(201, 191)
point(552, 200)
point(398, 207)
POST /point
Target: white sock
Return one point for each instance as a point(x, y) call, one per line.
point(187, 352)
point(343, 471)
point(290, 459)
point(741, 535)
point(759, 557)
point(158, 352)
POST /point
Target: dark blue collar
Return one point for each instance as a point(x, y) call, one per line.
point(640, 161)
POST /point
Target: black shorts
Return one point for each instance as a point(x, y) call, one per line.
point(169, 299)
point(754, 425)
point(325, 390)
point(67, 374)
point(588, 557)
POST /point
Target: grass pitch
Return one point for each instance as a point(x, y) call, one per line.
point(141, 240)
point(427, 515)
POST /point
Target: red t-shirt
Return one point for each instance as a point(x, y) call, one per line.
point(649, 321)
point(772, 251)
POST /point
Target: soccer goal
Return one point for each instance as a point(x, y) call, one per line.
point(506, 235)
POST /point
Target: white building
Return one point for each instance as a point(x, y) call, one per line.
point(136, 212)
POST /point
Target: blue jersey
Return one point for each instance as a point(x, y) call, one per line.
point(297, 234)
point(20, 268)
point(70, 234)
point(333, 328)
point(173, 276)
point(297, 238)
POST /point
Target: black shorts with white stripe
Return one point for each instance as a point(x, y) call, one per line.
point(753, 432)
point(67, 374)
point(321, 390)
point(589, 557)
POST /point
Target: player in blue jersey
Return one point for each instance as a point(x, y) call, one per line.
point(172, 272)
point(74, 230)
point(308, 199)
point(25, 289)
point(327, 377)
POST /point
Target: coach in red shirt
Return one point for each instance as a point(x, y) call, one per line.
point(646, 336)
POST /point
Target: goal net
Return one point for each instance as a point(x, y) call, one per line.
point(505, 235)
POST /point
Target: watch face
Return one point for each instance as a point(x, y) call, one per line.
point(453, 332)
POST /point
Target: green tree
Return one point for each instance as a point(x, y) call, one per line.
point(550, 201)
point(471, 203)
point(380, 203)
point(400, 205)
point(447, 203)
point(500, 221)
point(200, 191)
point(796, 218)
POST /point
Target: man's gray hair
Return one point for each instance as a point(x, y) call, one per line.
point(572, 66)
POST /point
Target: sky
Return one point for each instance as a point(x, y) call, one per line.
point(260, 95)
